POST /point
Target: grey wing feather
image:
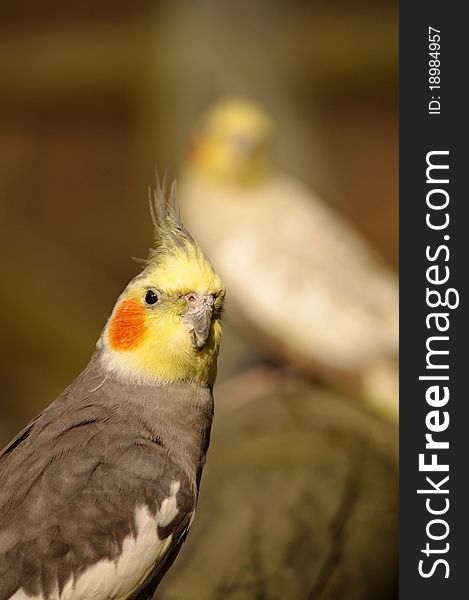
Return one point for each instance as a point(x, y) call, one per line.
point(69, 484)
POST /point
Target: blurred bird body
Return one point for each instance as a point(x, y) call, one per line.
point(98, 492)
point(299, 275)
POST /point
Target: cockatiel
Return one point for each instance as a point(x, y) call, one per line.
point(98, 492)
point(299, 276)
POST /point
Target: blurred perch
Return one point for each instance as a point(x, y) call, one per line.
point(298, 276)
point(298, 502)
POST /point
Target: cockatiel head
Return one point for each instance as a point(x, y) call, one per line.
point(165, 326)
point(231, 142)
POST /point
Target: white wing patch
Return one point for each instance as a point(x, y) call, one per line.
point(168, 508)
point(115, 580)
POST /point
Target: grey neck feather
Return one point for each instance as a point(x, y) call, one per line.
point(177, 416)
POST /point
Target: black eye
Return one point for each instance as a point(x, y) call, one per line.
point(151, 297)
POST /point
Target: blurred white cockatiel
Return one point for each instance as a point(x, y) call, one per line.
point(298, 275)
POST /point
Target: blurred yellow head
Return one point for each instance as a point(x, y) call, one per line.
point(166, 324)
point(232, 142)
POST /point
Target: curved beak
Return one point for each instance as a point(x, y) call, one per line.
point(198, 317)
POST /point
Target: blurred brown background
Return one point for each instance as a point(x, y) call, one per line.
point(94, 95)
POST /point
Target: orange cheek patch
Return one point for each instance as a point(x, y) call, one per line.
point(127, 328)
point(192, 149)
